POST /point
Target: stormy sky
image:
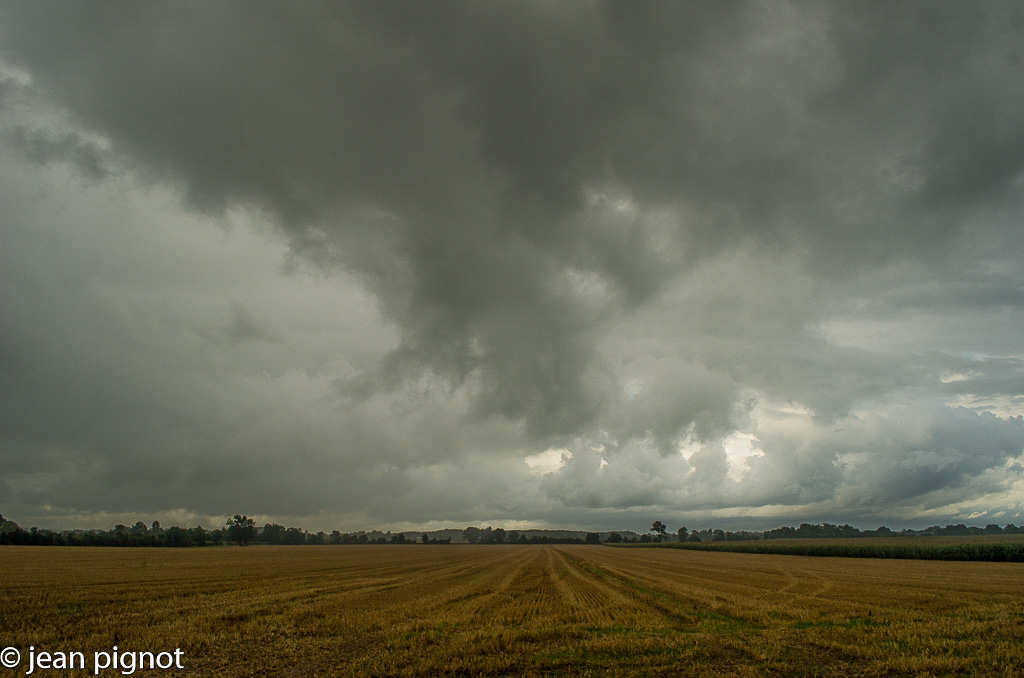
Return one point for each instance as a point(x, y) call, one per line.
point(577, 264)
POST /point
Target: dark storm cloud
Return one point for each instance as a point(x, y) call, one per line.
point(476, 132)
point(592, 224)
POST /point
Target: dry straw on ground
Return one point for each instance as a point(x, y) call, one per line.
point(519, 610)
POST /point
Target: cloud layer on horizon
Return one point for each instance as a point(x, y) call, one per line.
point(354, 265)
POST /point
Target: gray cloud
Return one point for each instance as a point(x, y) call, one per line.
point(66, 146)
point(244, 327)
point(455, 236)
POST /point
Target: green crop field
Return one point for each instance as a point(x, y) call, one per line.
point(512, 610)
point(994, 548)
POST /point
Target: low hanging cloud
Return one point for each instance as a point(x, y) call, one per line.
point(362, 263)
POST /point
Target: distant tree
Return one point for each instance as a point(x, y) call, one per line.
point(646, 539)
point(717, 535)
point(177, 536)
point(471, 534)
point(659, 529)
point(272, 533)
point(683, 533)
point(593, 538)
point(425, 538)
point(781, 533)
point(241, 529)
point(614, 538)
point(694, 537)
point(294, 536)
point(156, 529)
point(808, 531)
point(10, 532)
point(139, 528)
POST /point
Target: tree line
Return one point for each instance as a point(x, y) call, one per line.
point(498, 535)
point(138, 534)
point(237, 530)
point(243, 530)
point(659, 533)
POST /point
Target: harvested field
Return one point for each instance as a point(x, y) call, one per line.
point(514, 610)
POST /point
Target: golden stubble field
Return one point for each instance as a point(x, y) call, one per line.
point(513, 610)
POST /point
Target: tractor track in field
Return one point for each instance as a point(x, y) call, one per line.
point(633, 591)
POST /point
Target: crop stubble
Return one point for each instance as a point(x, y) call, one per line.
point(521, 610)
